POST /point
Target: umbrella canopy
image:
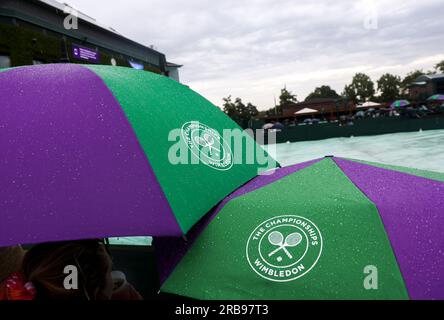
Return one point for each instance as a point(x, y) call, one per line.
point(316, 230)
point(368, 104)
point(436, 97)
point(400, 103)
point(306, 111)
point(86, 152)
point(267, 126)
point(278, 125)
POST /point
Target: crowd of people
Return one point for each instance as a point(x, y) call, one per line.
point(410, 111)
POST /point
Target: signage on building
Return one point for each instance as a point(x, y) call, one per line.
point(83, 53)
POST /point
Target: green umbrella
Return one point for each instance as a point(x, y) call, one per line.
point(90, 151)
point(436, 97)
point(400, 103)
point(325, 229)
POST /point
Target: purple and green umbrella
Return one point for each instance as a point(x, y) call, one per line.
point(436, 97)
point(400, 103)
point(331, 228)
point(86, 152)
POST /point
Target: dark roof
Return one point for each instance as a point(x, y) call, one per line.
point(418, 83)
point(173, 65)
point(81, 15)
point(313, 101)
point(436, 76)
point(428, 77)
point(320, 100)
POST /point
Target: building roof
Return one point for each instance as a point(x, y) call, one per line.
point(428, 77)
point(81, 15)
point(173, 65)
point(49, 14)
point(418, 83)
point(312, 102)
point(320, 100)
point(436, 76)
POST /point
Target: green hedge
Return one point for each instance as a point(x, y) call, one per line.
point(19, 44)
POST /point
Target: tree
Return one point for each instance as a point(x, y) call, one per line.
point(389, 86)
point(229, 108)
point(349, 93)
point(251, 110)
point(322, 92)
point(285, 98)
point(238, 111)
point(440, 66)
point(409, 78)
point(361, 89)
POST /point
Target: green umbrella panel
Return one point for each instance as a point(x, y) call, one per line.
point(325, 229)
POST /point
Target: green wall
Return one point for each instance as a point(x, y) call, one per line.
point(363, 127)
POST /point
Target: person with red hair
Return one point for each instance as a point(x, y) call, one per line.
point(42, 274)
point(11, 281)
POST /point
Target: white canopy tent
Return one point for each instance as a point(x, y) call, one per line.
point(306, 111)
point(368, 104)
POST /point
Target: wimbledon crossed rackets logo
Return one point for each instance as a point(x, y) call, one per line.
point(277, 239)
point(207, 145)
point(207, 141)
point(284, 248)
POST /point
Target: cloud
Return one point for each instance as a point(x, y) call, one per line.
point(253, 48)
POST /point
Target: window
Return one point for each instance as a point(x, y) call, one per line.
point(132, 241)
point(5, 61)
point(37, 62)
point(440, 86)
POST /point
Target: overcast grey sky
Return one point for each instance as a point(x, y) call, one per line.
point(253, 48)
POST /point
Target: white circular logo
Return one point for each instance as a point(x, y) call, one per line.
point(284, 248)
point(207, 145)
